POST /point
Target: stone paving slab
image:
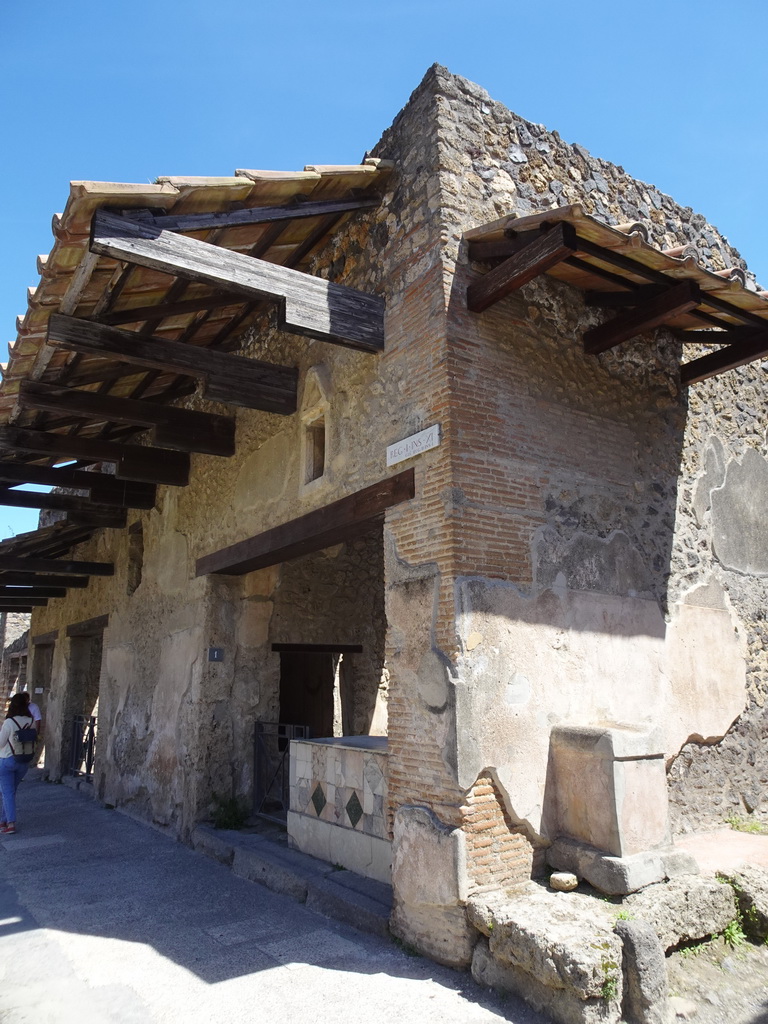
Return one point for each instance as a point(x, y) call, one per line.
point(119, 924)
point(725, 849)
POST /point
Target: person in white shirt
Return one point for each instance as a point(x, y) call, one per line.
point(11, 770)
point(34, 710)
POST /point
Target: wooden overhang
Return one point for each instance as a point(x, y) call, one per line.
point(724, 321)
point(141, 302)
point(342, 520)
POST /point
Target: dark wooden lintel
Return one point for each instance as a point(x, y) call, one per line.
point(27, 608)
point(42, 639)
point(180, 429)
point(739, 353)
point(256, 214)
point(9, 603)
point(340, 521)
point(20, 563)
point(89, 627)
point(307, 305)
point(538, 256)
point(678, 299)
point(246, 382)
point(318, 648)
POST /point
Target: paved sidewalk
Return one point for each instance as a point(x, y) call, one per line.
point(106, 921)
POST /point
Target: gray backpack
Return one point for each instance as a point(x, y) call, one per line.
point(26, 737)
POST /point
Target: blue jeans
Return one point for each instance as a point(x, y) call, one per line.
point(11, 774)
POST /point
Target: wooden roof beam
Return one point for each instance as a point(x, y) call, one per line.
point(102, 487)
point(180, 429)
point(9, 604)
point(20, 563)
point(22, 592)
point(534, 258)
point(340, 521)
point(745, 350)
point(132, 461)
point(161, 311)
point(55, 502)
point(254, 214)
point(245, 382)
point(680, 298)
point(307, 305)
point(32, 579)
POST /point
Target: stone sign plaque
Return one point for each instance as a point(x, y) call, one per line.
point(413, 445)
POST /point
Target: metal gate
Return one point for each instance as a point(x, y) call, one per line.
point(272, 742)
point(83, 745)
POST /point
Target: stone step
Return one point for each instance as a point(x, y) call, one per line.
point(342, 895)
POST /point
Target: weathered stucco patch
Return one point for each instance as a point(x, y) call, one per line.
point(607, 566)
point(584, 659)
point(739, 516)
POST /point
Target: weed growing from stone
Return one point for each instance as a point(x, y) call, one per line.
point(744, 824)
point(733, 933)
point(624, 915)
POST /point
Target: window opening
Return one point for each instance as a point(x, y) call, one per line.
point(315, 449)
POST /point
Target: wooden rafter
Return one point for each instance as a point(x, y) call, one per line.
point(680, 298)
point(181, 429)
point(744, 350)
point(32, 579)
point(102, 487)
point(255, 214)
point(20, 563)
point(534, 258)
point(132, 462)
point(340, 521)
point(307, 305)
point(246, 382)
point(32, 591)
point(55, 502)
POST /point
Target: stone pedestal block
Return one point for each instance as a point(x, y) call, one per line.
point(610, 789)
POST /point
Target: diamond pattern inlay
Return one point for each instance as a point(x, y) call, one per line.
point(318, 800)
point(354, 809)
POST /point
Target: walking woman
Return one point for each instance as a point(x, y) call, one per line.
point(14, 749)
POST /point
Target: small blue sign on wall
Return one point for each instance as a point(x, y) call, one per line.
point(215, 654)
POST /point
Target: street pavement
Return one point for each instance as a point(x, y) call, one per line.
point(104, 920)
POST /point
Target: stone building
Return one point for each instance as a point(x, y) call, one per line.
point(474, 499)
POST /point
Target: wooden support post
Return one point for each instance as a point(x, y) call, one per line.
point(340, 521)
point(546, 251)
point(180, 429)
point(307, 305)
point(245, 382)
point(680, 298)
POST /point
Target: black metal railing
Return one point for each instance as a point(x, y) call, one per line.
point(272, 741)
point(83, 745)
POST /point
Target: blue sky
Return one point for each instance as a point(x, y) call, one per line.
point(674, 92)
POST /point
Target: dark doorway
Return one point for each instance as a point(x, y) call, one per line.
point(306, 690)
